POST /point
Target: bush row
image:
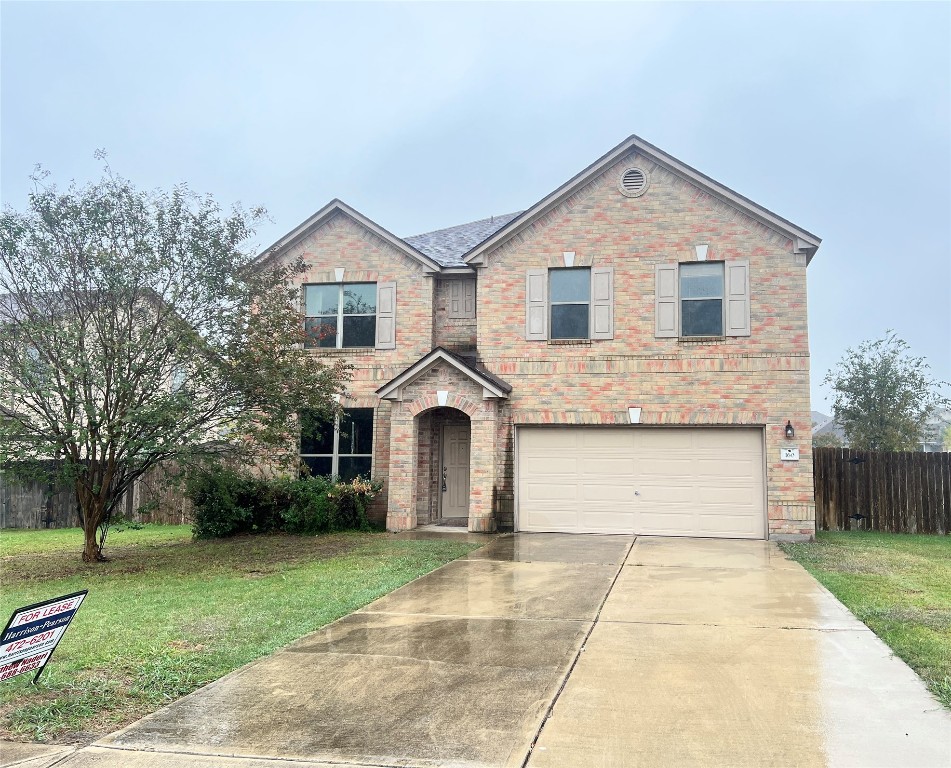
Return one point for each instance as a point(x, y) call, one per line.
point(228, 502)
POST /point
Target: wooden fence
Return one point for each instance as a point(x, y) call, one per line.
point(158, 497)
point(898, 492)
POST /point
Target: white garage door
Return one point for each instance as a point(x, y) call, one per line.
point(665, 481)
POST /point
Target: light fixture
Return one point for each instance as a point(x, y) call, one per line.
point(790, 432)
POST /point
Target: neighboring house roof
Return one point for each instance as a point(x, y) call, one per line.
point(803, 241)
point(448, 246)
point(329, 211)
point(492, 385)
point(831, 427)
point(819, 420)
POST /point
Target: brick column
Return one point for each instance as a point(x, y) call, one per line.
point(401, 502)
point(482, 469)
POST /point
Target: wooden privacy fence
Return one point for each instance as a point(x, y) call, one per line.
point(158, 497)
point(898, 492)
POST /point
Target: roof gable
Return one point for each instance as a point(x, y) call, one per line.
point(803, 241)
point(325, 214)
point(492, 385)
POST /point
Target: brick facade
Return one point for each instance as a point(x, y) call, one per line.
point(759, 380)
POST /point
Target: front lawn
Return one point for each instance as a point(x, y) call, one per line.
point(167, 615)
point(899, 585)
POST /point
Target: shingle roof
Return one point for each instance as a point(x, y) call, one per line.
point(447, 246)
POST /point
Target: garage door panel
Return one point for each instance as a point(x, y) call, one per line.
point(606, 440)
point(558, 466)
point(650, 480)
point(551, 492)
point(666, 494)
point(610, 468)
point(663, 466)
point(607, 492)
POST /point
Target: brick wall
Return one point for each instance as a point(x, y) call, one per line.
point(762, 379)
point(454, 334)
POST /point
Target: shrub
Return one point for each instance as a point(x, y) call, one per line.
point(219, 497)
point(227, 502)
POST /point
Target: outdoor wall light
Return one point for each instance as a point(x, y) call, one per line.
point(790, 432)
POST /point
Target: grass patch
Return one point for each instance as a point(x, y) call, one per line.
point(897, 584)
point(167, 615)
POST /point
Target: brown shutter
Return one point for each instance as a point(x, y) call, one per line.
point(602, 302)
point(666, 311)
point(737, 298)
point(536, 305)
point(386, 316)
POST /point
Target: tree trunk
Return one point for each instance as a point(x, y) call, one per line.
point(93, 511)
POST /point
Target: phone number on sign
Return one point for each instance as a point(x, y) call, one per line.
point(19, 667)
point(29, 641)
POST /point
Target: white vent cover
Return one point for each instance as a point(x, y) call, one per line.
point(634, 182)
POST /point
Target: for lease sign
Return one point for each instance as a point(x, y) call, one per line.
point(33, 633)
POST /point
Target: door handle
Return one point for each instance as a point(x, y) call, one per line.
point(444, 469)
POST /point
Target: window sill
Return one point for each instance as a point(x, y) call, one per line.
point(344, 351)
point(569, 342)
point(703, 339)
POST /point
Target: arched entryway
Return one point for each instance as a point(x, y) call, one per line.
point(443, 471)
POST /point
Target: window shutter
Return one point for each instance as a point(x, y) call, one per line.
point(455, 298)
point(602, 302)
point(386, 315)
point(536, 305)
point(468, 298)
point(737, 296)
point(665, 301)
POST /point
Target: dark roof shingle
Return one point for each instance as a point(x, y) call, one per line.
point(447, 246)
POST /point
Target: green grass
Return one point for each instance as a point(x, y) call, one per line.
point(899, 585)
point(167, 615)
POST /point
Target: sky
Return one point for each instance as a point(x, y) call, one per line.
point(426, 115)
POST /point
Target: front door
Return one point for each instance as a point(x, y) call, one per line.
point(455, 471)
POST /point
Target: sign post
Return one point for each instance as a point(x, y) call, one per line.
point(33, 633)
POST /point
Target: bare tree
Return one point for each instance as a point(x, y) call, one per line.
point(135, 327)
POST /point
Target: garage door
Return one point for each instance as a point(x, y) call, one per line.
point(661, 481)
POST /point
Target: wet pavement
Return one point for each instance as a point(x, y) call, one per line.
point(606, 650)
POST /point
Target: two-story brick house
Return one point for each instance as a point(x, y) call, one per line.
point(629, 354)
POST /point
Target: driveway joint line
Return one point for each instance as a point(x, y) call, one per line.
point(577, 657)
point(264, 758)
point(734, 626)
point(467, 617)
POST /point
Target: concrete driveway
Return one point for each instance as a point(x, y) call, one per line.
point(558, 650)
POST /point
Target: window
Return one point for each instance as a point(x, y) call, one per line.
point(343, 448)
point(569, 292)
point(569, 303)
point(340, 315)
point(701, 299)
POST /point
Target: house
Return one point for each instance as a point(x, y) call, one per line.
point(629, 354)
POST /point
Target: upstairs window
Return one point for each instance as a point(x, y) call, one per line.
point(343, 448)
point(701, 299)
point(340, 315)
point(569, 292)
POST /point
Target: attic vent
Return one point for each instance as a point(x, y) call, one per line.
point(634, 182)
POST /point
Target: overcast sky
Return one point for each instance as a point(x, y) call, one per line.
point(426, 115)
